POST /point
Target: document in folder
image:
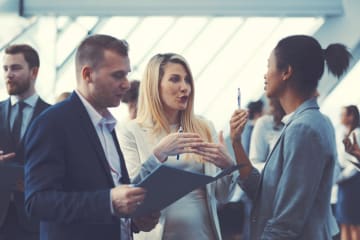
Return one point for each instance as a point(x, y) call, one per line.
point(166, 184)
point(10, 174)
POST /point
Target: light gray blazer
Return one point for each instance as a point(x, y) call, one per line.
point(291, 197)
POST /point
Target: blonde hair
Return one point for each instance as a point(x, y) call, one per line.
point(150, 106)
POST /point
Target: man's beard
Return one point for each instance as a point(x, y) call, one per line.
point(18, 89)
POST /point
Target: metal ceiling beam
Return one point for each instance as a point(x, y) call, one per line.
point(177, 8)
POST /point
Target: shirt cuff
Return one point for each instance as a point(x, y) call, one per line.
point(111, 205)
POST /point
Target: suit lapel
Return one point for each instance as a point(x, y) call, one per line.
point(39, 107)
point(86, 123)
point(305, 106)
point(6, 116)
point(5, 120)
point(267, 160)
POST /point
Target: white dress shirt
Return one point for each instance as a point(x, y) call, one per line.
point(104, 125)
point(28, 111)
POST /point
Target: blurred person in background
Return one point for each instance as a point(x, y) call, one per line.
point(255, 110)
point(265, 133)
point(62, 96)
point(347, 207)
point(21, 65)
point(131, 98)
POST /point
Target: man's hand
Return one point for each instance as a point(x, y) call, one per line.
point(147, 223)
point(126, 199)
point(5, 157)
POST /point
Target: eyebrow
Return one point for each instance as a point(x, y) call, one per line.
point(12, 65)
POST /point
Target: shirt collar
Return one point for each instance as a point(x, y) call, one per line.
point(308, 104)
point(97, 119)
point(30, 101)
point(285, 120)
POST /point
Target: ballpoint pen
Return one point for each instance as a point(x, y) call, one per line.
point(239, 98)
point(180, 131)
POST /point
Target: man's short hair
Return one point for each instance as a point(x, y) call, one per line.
point(30, 54)
point(91, 49)
point(132, 93)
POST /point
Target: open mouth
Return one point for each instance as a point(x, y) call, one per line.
point(184, 99)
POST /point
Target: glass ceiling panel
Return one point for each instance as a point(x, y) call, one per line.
point(204, 48)
point(176, 40)
point(250, 76)
point(120, 27)
point(66, 79)
point(70, 37)
point(224, 53)
point(11, 26)
point(235, 55)
point(145, 36)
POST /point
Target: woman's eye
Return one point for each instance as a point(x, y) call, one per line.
point(174, 78)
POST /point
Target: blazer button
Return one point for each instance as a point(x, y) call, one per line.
point(253, 220)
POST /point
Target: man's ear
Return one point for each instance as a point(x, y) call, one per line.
point(287, 73)
point(34, 72)
point(86, 72)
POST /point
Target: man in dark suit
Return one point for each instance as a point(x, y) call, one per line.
point(76, 181)
point(21, 65)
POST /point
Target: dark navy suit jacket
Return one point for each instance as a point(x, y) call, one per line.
point(7, 144)
point(67, 176)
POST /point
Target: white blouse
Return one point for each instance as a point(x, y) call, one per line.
point(195, 215)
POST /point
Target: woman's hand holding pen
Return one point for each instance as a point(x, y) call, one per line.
point(216, 153)
point(177, 143)
point(237, 124)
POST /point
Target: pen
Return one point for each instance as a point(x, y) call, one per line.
point(239, 98)
point(180, 131)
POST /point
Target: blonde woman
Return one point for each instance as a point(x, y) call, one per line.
point(166, 101)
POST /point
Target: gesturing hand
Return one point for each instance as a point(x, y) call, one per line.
point(126, 199)
point(177, 143)
point(216, 153)
point(352, 147)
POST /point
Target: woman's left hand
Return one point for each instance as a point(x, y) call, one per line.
point(216, 153)
point(352, 147)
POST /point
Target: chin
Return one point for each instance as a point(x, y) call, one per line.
point(183, 107)
point(13, 91)
point(115, 103)
point(268, 93)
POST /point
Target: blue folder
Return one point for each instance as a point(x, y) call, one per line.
point(166, 184)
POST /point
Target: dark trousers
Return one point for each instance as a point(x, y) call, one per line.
point(11, 229)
